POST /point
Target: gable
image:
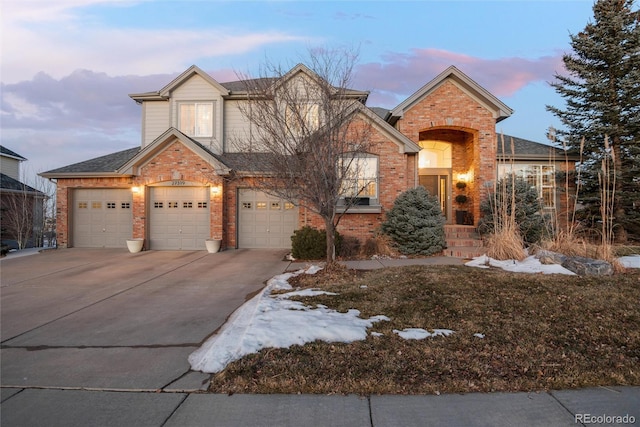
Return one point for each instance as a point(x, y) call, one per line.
point(148, 153)
point(465, 84)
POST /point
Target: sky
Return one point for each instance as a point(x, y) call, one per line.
point(68, 66)
point(273, 320)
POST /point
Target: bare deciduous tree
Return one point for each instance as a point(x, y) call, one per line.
point(22, 210)
point(306, 138)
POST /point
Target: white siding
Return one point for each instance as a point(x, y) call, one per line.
point(235, 126)
point(156, 120)
point(10, 167)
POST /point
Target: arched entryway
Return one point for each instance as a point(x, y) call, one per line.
point(446, 169)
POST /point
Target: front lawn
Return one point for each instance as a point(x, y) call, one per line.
point(512, 332)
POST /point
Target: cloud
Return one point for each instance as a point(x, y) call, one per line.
point(398, 75)
point(60, 37)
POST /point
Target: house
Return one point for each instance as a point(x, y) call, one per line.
point(21, 206)
point(175, 189)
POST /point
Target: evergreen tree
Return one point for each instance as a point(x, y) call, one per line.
point(532, 223)
point(602, 94)
point(415, 223)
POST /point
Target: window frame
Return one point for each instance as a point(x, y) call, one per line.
point(542, 180)
point(201, 128)
point(356, 188)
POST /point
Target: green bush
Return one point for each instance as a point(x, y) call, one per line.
point(311, 243)
point(415, 223)
point(530, 220)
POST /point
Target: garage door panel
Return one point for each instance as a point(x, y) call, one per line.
point(179, 218)
point(265, 221)
point(102, 217)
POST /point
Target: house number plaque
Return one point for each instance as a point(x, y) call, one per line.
point(178, 182)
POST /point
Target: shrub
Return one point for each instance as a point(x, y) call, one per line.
point(311, 243)
point(347, 246)
point(530, 222)
point(415, 223)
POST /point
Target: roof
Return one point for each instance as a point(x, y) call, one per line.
point(164, 93)
point(524, 149)
point(132, 165)
point(500, 110)
point(98, 166)
point(14, 186)
point(8, 153)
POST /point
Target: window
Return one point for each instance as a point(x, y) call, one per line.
point(361, 177)
point(111, 205)
point(302, 118)
point(125, 205)
point(202, 205)
point(542, 177)
point(158, 205)
point(196, 119)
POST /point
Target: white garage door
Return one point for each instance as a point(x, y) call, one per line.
point(265, 221)
point(179, 218)
point(102, 218)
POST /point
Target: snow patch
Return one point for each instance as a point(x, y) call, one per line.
point(420, 334)
point(531, 264)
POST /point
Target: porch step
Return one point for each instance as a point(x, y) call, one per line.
point(463, 241)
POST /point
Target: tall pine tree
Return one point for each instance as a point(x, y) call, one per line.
point(602, 95)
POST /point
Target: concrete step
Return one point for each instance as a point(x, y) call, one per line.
point(468, 242)
point(461, 232)
point(463, 241)
point(464, 252)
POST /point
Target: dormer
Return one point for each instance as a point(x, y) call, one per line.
point(191, 103)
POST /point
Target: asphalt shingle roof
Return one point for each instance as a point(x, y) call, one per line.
point(108, 163)
point(4, 150)
point(527, 148)
point(8, 183)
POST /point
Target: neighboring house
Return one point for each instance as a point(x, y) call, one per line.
point(21, 206)
point(184, 183)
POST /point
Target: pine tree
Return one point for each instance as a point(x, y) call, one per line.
point(415, 223)
point(602, 95)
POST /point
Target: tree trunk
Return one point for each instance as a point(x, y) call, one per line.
point(330, 228)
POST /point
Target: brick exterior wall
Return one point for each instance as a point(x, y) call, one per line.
point(396, 174)
point(449, 108)
point(177, 162)
point(64, 205)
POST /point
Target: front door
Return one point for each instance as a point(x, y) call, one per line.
point(438, 185)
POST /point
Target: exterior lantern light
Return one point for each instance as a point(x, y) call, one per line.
point(135, 189)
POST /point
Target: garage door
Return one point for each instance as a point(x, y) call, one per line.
point(102, 218)
point(265, 221)
point(179, 218)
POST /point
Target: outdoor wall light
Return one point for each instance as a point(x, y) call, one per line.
point(463, 177)
point(215, 190)
point(135, 189)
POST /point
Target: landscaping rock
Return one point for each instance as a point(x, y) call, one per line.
point(587, 266)
point(549, 257)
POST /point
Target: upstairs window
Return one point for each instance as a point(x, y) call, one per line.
point(196, 119)
point(302, 119)
point(361, 178)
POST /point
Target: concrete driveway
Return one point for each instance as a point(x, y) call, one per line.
point(108, 319)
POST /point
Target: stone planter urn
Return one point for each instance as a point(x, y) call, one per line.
point(213, 245)
point(135, 245)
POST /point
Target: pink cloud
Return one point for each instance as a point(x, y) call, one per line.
point(399, 75)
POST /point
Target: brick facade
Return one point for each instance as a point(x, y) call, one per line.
point(451, 115)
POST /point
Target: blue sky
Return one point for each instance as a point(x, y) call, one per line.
point(68, 65)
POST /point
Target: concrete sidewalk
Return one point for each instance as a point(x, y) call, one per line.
point(54, 407)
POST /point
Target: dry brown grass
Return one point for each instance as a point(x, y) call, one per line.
point(506, 243)
point(541, 332)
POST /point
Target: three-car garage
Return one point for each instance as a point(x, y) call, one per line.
point(178, 218)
